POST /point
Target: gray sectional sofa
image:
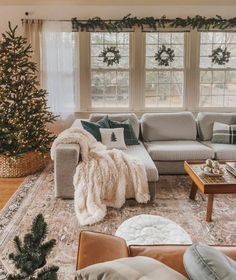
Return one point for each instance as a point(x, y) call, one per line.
point(166, 141)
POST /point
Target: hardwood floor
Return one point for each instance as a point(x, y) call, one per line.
point(7, 188)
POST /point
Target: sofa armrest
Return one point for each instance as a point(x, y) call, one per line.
point(172, 255)
point(65, 163)
point(97, 247)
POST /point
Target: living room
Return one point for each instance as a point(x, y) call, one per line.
point(118, 133)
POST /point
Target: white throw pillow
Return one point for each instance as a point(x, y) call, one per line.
point(113, 138)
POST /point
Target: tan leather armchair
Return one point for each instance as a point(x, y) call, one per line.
point(97, 247)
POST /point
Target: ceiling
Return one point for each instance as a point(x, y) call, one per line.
point(119, 2)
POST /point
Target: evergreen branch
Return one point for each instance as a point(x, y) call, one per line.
point(196, 22)
point(48, 273)
point(39, 228)
point(46, 248)
point(30, 258)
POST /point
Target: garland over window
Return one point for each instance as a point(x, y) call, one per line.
point(128, 22)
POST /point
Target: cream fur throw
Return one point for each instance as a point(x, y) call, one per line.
point(103, 177)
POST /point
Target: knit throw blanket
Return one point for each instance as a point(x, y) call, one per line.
point(103, 177)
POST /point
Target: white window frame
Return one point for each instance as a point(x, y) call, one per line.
point(185, 66)
point(137, 76)
point(210, 109)
point(85, 76)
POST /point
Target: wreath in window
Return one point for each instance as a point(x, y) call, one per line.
point(164, 56)
point(110, 55)
point(220, 56)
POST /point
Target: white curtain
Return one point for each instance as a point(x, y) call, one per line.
point(32, 30)
point(58, 66)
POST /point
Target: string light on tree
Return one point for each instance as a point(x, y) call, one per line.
point(23, 106)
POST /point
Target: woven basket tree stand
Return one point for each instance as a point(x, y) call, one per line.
point(26, 164)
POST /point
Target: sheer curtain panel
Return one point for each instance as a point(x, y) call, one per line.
point(58, 66)
point(32, 30)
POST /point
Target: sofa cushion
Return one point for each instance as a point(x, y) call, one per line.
point(129, 269)
point(204, 262)
point(129, 134)
point(224, 133)
point(119, 118)
point(168, 126)
point(139, 152)
point(222, 151)
point(93, 128)
point(206, 121)
point(77, 123)
point(113, 138)
point(178, 150)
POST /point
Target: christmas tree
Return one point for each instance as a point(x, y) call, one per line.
point(30, 257)
point(113, 137)
point(23, 105)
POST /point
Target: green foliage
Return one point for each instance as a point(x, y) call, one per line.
point(220, 56)
point(31, 254)
point(111, 55)
point(164, 56)
point(196, 22)
point(23, 106)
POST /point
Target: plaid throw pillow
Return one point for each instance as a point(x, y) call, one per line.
point(129, 134)
point(224, 133)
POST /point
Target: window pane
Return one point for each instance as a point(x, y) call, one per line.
point(164, 84)
point(217, 82)
point(109, 84)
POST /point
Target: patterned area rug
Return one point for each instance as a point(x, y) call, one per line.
point(36, 195)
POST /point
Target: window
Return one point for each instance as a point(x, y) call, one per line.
point(217, 82)
point(72, 65)
point(109, 85)
point(164, 86)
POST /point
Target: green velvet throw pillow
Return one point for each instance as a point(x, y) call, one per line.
point(93, 128)
point(129, 134)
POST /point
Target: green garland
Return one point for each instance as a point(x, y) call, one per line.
point(128, 22)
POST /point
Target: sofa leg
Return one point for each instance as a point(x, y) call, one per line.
point(152, 190)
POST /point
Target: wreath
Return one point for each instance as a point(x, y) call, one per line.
point(220, 56)
point(164, 56)
point(110, 55)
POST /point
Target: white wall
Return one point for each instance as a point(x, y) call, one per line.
point(16, 13)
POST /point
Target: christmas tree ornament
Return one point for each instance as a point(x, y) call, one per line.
point(111, 55)
point(164, 56)
point(220, 56)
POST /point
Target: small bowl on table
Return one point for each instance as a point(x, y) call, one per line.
point(212, 168)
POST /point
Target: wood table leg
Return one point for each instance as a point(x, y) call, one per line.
point(209, 207)
point(193, 191)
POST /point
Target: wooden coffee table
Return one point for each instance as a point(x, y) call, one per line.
point(209, 185)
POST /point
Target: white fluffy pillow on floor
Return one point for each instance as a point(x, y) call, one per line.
point(113, 138)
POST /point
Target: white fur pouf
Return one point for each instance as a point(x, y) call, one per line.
point(151, 229)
